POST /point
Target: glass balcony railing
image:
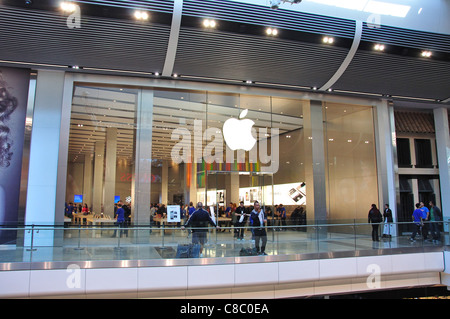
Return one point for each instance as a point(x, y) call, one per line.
point(68, 243)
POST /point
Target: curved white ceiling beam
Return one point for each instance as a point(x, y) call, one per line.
point(348, 58)
point(173, 38)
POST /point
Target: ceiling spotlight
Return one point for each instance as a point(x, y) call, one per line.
point(208, 23)
point(141, 15)
point(156, 73)
point(28, 2)
point(379, 47)
point(249, 81)
point(426, 54)
point(68, 6)
point(328, 40)
point(271, 31)
point(175, 75)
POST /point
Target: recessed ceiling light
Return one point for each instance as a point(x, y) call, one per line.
point(68, 6)
point(208, 23)
point(271, 31)
point(379, 47)
point(141, 15)
point(426, 54)
point(328, 40)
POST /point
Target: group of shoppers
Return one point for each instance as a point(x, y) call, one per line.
point(426, 221)
point(201, 218)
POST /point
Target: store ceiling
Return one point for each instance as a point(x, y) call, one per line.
point(111, 41)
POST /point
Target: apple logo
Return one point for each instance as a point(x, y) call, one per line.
point(238, 133)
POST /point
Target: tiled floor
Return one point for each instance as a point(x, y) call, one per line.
point(87, 245)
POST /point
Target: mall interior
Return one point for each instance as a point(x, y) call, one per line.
point(321, 107)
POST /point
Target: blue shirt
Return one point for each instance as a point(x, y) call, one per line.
point(425, 212)
point(418, 215)
point(282, 212)
point(120, 215)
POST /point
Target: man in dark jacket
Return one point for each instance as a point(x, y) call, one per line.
point(257, 217)
point(199, 221)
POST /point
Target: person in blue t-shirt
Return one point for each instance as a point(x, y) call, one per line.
point(418, 221)
point(425, 218)
point(282, 214)
point(120, 219)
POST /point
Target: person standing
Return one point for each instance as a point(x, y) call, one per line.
point(120, 219)
point(387, 218)
point(425, 219)
point(199, 220)
point(258, 219)
point(375, 219)
point(241, 218)
point(418, 221)
point(282, 213)
point(435, 218)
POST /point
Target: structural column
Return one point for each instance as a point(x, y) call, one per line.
point(165, 182)
point(44, 155)
point(87, 180)
point(99, 157)
point(109, 188)
point(141, 188)
point(443, 158)
point(388, 183)
point(315, 162)
point(232, 188)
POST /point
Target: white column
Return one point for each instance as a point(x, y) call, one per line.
point(143, 164)
point(443, 158)
point(385, 140)
point(315, 162)
point(87, 180)
point(43, 169)
point(231, 188)
point(165, 182)
point(109, 188)
point(99, 157)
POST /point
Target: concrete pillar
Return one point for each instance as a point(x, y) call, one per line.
point(99, 157)
point(443, 158)
point(315, 162)
point(165, 182)
point(231, 188)
point(387, 167)
point(141, 187)
point(87, 180)
point(44, 157)
point(109, 188)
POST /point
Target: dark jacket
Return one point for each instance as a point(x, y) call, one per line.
point(375, 216)
point(388, 214)
point(200, 220)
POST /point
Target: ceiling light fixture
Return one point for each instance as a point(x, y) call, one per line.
point(141, 15)
point(271, 31)
point(208, 23)
point(68, 6)
point(426, 54)
point(379, 47)
point(328, 40)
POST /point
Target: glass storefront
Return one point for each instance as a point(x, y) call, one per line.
point(172, 147)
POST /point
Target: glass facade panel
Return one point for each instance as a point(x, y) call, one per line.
point(350, 161)
point(178, 146)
